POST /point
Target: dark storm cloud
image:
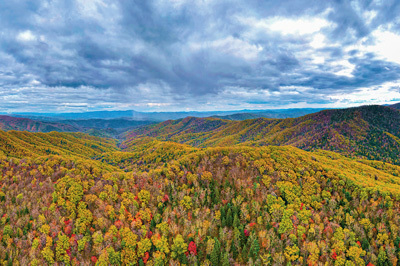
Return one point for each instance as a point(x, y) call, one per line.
point(191, 54)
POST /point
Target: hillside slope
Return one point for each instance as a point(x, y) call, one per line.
point(119, 123)
point(288, 113)
point(171, 204)
point(161, 116)
point(395, 106)
point(96, 127)
point(20, 144)
point(25, 124)
point(370, 132)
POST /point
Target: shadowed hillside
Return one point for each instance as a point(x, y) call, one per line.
point(119, 124)
point(288, 113)
point(25, 124)
point(95, 127)
point(395, 106)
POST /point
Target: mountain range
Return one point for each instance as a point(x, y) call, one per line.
point(19, 123)
point(161, 116)
point(370, 132)
point(395, 106)
point(97, 127)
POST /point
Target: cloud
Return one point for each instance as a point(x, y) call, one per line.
point(386, 45)
point(298, 26)
point(26, 36)
point(201, 55)
point(379, 94)
point(231, 46)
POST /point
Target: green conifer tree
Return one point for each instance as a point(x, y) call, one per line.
point(214, 256)
point(236, 222)
point(254, 249)
point(223, 222)
point(245, 253)
point(234, 250)
point(229, 219)
point(225, 259)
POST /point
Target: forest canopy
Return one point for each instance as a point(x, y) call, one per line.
point(70, 198)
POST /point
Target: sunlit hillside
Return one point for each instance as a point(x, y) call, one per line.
point(370, 132)
point(21, 144)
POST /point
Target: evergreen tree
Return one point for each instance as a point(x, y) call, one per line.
point(225, 259)
point(152, 224)
point(254, 249)
point(183, 259)
point(243, 238)
point(215, 256)
point(236, 222)
point(217, 245)
point(223, 211)
point(234, 250)
point(229, 219)
point(216, 196)
point(245, 253)
point(223, 222)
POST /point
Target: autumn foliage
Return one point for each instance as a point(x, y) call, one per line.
point(72, 199)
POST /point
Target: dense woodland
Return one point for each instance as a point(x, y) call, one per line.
point(111, 128)
point(19, 123)
point(369, 132)
point(205, 192)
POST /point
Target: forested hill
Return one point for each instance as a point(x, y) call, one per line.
point(370, 132)
point(395, 106)
point(288, 113)
point(111, 128)
point(26, 124)
point(21, 144)
point(163, 203)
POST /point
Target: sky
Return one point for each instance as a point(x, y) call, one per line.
point(181, 55)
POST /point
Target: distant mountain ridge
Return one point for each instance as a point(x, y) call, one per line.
point(371, 132)
point(25, 124)
point(287, 113)
point(117, 123)
point(96, 127)
point(395, 106)
point(162, 116)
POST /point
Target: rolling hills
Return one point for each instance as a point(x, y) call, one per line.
point(370, 132)
point(161, 116)
point(26, 124)
point(20, 144)
point(118, 124)
point(160, 203)
point(395, 106)
point(96, 127)
point(229, 193)
point(284, 113)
